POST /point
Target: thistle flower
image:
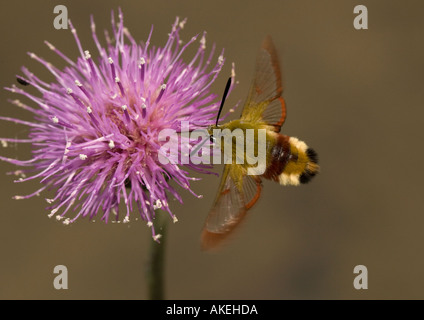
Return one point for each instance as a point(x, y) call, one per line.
point(95, 131)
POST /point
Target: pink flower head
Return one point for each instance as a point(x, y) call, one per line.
point(95, 130)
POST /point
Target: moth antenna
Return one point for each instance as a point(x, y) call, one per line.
point(227, 88)
point(22, 81)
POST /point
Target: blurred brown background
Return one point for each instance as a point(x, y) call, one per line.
point(354, 96)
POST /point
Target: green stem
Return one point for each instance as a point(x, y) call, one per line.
point(155, 266)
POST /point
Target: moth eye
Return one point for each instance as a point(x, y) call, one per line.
point(212, 139)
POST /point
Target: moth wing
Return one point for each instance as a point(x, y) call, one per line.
point(264, 102)
point(236, 195)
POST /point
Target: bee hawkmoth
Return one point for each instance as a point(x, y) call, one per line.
point(289, 161)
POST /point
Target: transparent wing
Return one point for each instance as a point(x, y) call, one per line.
point(264, 101)
point(236, 195)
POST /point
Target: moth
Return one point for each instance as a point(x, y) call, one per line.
point(22, 81)
point(289, 161)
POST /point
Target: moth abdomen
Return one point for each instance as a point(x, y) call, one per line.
point(311, 168)
point(291, 162)
point(279, 154)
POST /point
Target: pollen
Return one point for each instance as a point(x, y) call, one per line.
point(203, 42)
point(51, 47)
point(157, 237)
point(87, 54)
point(157, 205)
